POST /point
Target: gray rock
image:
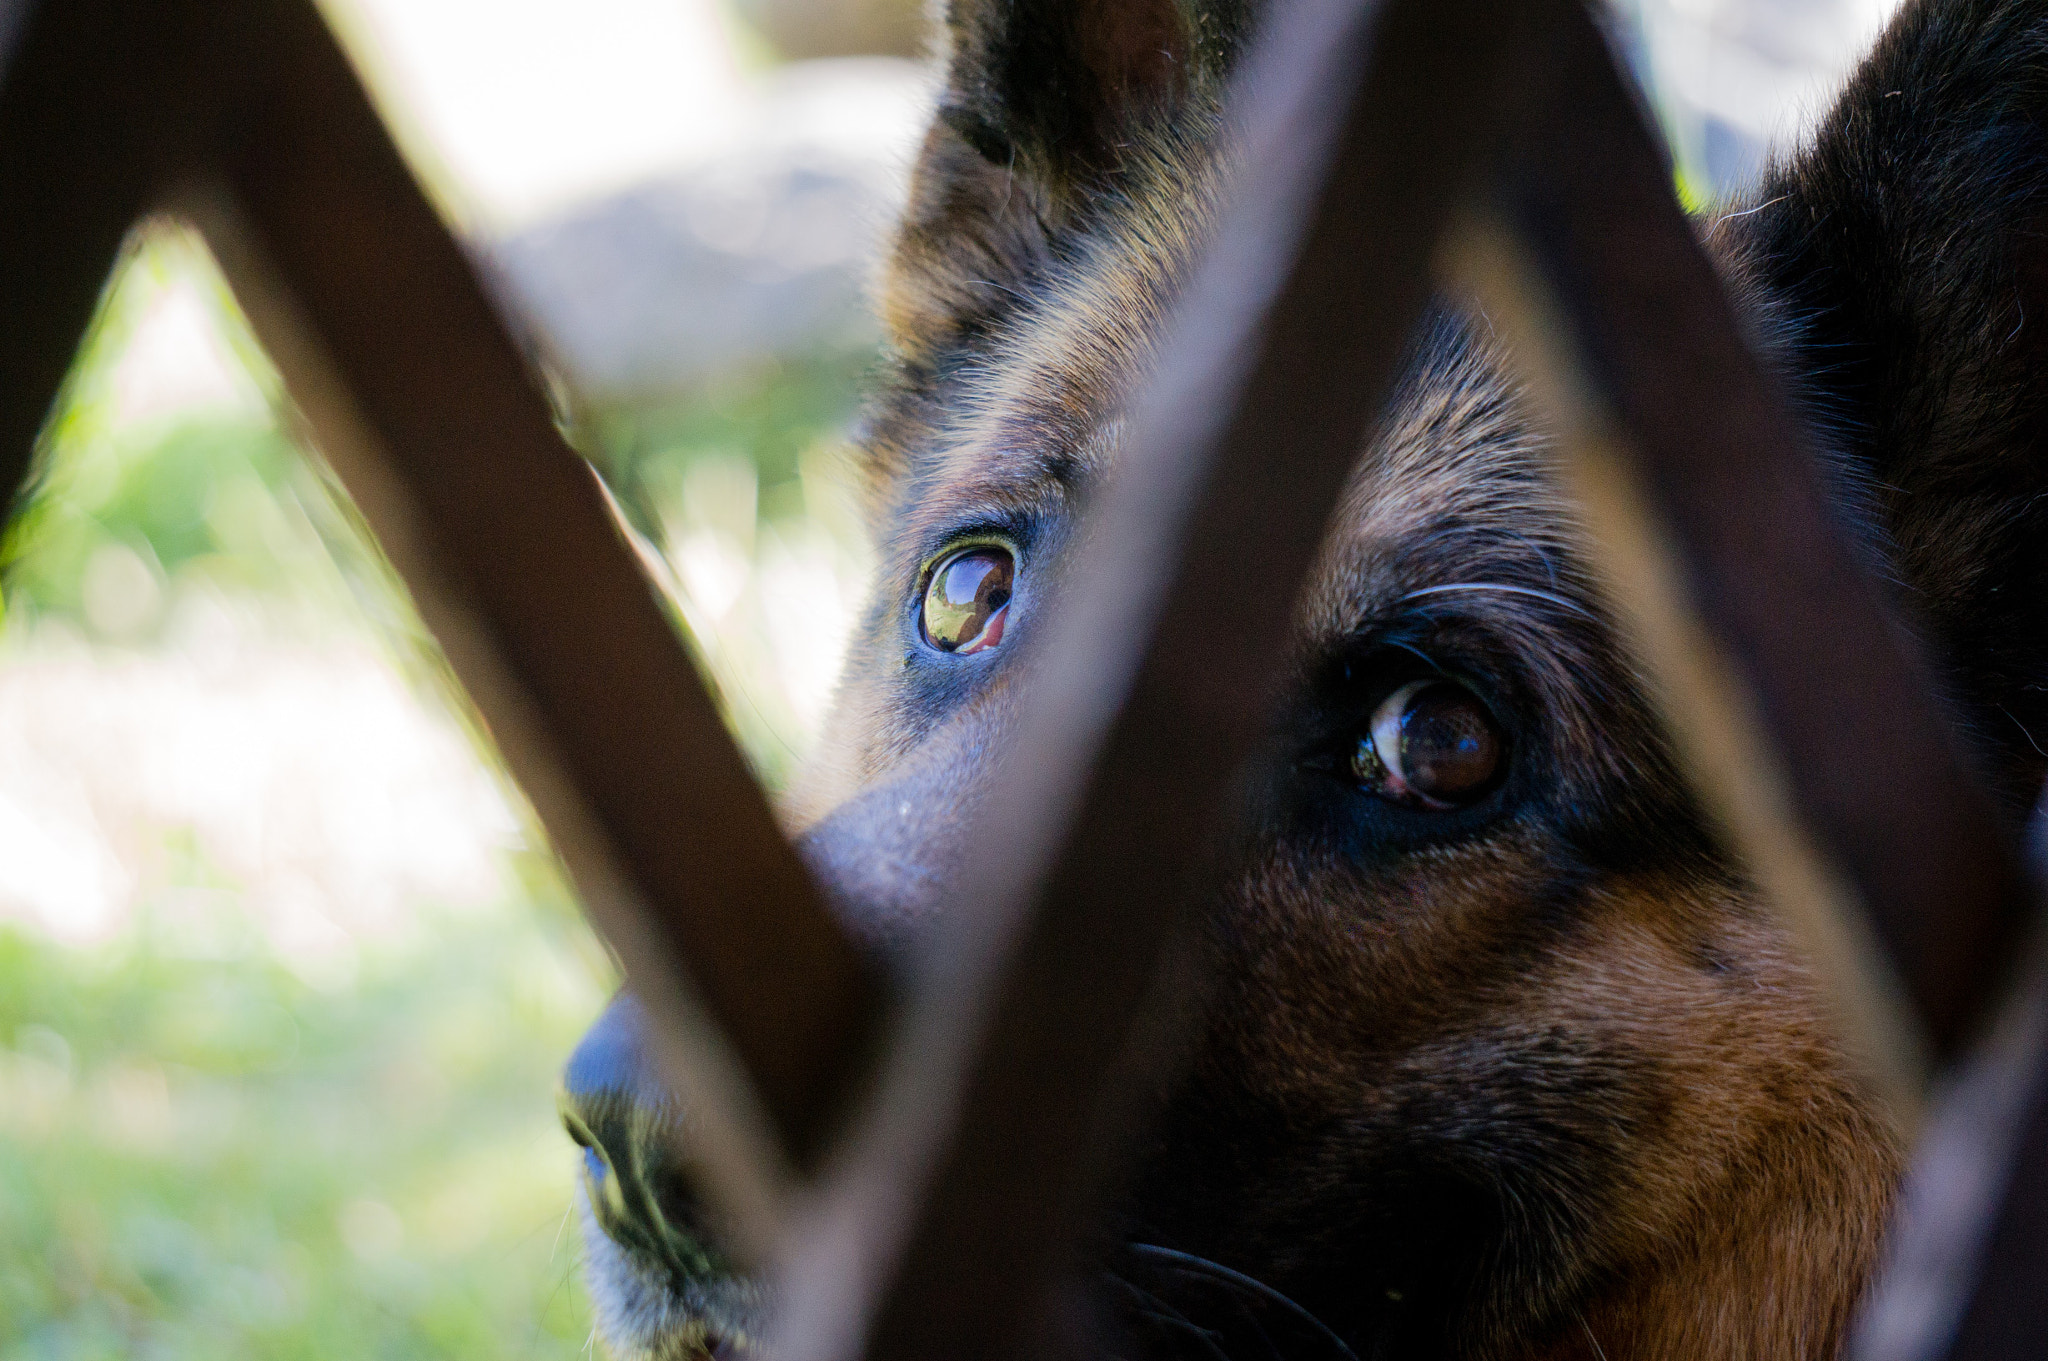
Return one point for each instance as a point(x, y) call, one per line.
point(766, 249)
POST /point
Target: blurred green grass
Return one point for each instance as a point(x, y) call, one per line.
point(206, 1149)
point(205, 1157)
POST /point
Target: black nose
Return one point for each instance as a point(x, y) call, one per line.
point(638, 1181)
point(884, 861)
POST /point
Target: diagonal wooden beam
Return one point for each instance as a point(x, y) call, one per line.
point(2003, 1316)
point(77, 157)
point(1777, 656)
point(1734, 479)
point(1044, 1025)
point(247, 113)
point(1774, 650)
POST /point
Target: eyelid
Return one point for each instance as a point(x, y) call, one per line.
point(970, 538)
point(960, 543)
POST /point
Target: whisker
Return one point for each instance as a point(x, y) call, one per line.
point(1150, 1307)
point(533, 1337)
point(1144, 1297)
point(563, 1227)
point(1202, 1266)
point(1148, 1301)
point(1250, 1319)
point(1203, 1338)
point(1502, 588)
point(1426, 659)
point(1715, 225)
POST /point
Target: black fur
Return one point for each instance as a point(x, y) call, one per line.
point(1909, 244)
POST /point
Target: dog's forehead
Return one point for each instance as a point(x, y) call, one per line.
point(1034, 417)
point(1452, 500)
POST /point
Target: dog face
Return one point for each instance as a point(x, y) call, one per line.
point(1503, 1058)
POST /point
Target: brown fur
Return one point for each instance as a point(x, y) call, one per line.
point(1537, 1078)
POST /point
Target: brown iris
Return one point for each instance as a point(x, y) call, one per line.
point(1431, 744)
point(966, 604)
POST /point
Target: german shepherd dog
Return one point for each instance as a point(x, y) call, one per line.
point(1504, 1058)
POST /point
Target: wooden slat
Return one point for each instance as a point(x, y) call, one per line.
point(1729, 758)
point(951, 1236)
point(1366, 123)
point(1733, 480)
point(1776, 657)
point(1972, 1205)
point(74, 173)
point(2005, 1313)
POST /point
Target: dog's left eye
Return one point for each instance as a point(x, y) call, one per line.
point(1431, 744)
point(966, 602)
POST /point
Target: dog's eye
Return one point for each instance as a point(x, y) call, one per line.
point(1431, 744)
point(968, 600)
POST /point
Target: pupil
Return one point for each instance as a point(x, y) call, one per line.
point(1448, 746)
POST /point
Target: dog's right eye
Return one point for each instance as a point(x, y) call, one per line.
point(1430, 744)
point(967, 600)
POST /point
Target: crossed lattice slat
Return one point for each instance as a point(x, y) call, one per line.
point(980, 1118)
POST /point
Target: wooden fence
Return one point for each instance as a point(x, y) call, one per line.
point(956, 1140)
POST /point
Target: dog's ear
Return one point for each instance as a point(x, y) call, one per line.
point(1049, 88)
point(1047, 104)
point(1907, 248)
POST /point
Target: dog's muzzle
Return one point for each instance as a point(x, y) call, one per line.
point(659, 1284)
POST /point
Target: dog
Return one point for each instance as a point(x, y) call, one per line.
point(1505, 1059)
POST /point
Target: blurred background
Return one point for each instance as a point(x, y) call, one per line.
point(286, 969)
